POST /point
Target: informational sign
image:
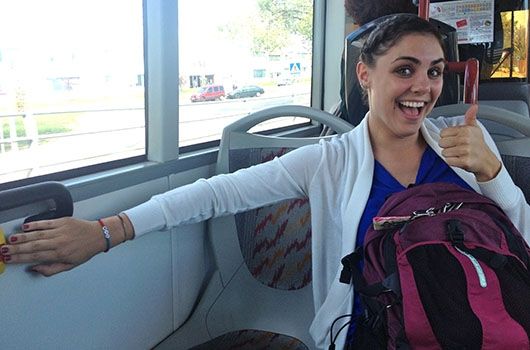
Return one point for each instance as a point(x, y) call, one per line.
point(473, 19)
point(294, 68)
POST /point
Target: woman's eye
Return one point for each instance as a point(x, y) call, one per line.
point(435, 72)
point(404, 71)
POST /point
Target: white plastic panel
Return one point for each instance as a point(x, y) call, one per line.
point(119, 300)
point(190, 262)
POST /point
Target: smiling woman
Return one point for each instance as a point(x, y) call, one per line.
point(401, 72)
point(346, 180)
point(409, 79)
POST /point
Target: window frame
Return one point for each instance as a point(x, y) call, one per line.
point(163, 155)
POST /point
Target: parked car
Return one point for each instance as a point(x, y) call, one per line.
point(209, 93)
point(246, 91)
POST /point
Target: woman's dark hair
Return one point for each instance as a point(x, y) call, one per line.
point(364, 11)
point(390, 31)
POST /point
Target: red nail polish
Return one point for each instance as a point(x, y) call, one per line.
point(25, 226)
point(7, 258)
point(4, 250)
point(13, 239)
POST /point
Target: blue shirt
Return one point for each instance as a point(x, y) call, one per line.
point(432, 169)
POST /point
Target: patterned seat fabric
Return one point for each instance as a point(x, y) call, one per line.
point(252, 340)
point(275, 240)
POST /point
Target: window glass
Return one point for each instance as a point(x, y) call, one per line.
point(71, 86)
point(514, 61)
point(266, 44)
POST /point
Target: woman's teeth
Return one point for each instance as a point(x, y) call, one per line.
point(412, 104)
point(411, 108)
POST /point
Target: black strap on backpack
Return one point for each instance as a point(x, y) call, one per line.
point(351, 272)
point(371, 327)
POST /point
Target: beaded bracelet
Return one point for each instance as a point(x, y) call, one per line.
point(123, 226)
point(106, 233)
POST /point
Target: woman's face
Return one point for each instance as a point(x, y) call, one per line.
point(403, 85)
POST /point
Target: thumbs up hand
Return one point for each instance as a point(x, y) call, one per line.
point(470, 118)
point(464, 147)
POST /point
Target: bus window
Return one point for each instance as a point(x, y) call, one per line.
point(240, 45)
point(514, 61)
point(71, 85)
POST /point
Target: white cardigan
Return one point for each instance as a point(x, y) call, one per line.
point(336, 176)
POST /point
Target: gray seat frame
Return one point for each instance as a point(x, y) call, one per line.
point(233, 299)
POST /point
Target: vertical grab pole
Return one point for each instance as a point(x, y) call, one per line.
point(471, 81)
point(423, 9)
point(470, 69)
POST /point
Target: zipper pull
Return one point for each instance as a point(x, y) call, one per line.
point(480, 272)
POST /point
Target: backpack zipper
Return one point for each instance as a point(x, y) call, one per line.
point(480, 272)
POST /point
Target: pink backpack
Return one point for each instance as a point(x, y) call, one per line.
point(444, 268)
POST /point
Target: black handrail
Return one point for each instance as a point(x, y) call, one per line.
point(55, 191)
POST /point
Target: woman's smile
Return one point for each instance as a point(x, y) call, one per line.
point(404, 84)
point(411, 109)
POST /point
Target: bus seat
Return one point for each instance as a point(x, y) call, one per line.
point(501, 123)
point(516, 158)
point(352, 106)
point(499, 130)
point(259, 296)
point(516, 106)
point(509, 91)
